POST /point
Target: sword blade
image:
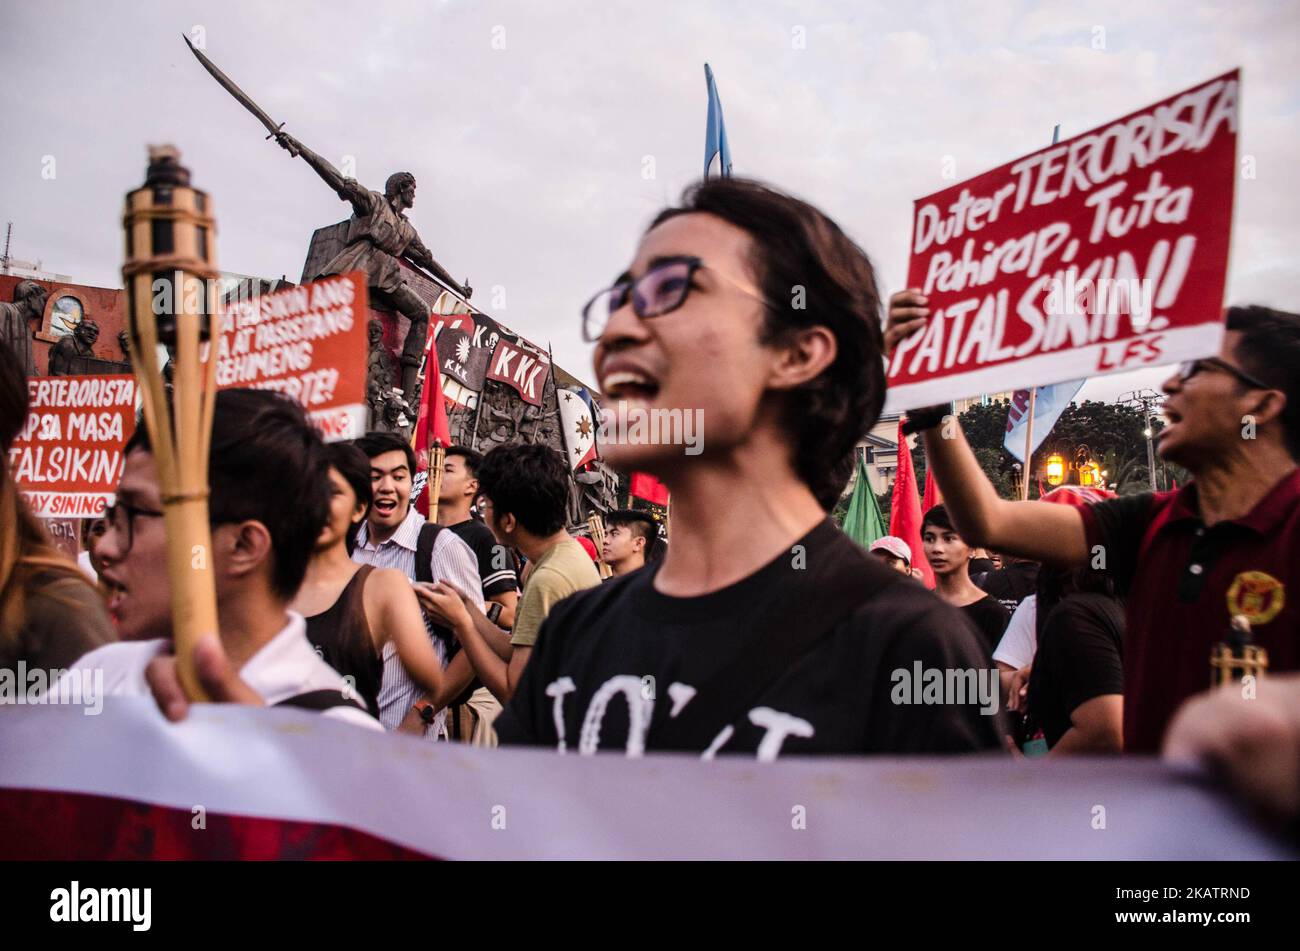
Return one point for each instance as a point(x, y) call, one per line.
point(229, 85)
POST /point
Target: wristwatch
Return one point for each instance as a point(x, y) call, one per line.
point(494, 610)
point(426, 710)
point(925, 418)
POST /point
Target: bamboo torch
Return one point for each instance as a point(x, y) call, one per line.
point(170, 274)
point(597, 527)
point(437, 456)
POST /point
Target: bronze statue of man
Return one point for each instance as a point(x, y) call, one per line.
point(78, 345)
point(378, 234)
point(16, 318)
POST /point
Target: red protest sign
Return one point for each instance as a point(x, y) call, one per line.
point(308, 342)
point(523, 371)
point(1106, 252)
point(67, 460)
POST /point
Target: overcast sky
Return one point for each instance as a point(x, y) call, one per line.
point(531, 127)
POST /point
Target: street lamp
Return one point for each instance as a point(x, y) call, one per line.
point(1055, 469)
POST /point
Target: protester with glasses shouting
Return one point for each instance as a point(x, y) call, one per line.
point(50, 613)
point(1189, 561)
point(764, 630)
point(268, 505)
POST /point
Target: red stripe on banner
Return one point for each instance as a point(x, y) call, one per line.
point(45, 825)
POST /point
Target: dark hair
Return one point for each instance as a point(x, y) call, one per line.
point(267, 464)
point(473, 458)
point(376, 444)
point(353, 465)
point(1269, 350)
point(531, 482)
point(937, 516)
point(798, 247)
point(640, 524)
point(1054, 584)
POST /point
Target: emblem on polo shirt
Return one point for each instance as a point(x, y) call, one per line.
point(1257, 595)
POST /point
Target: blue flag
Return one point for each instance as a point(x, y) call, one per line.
point(715, 135)
point(1048, 407)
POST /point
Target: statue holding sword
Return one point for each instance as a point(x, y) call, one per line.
point(378, 234)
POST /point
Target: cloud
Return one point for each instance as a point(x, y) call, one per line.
point(529, 127)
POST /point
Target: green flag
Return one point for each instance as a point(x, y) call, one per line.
point(862, 522)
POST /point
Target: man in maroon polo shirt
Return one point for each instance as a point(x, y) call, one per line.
point(1187, 561)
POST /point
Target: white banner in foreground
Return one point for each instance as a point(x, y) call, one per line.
point(452, 801)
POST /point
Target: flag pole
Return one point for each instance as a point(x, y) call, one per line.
point(1033, 396)
point(1029, 442)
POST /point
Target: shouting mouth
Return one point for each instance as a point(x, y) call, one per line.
point(385, 508)
point(629, 384)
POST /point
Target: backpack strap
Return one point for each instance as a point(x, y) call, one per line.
point(320, 701)
point(424, 551)
point(844, 587)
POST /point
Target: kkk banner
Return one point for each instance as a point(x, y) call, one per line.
point(465, 343)
point(67, 459)
point(284, 783)
point(308, 342)
point(524, 371)
point(1105, 252)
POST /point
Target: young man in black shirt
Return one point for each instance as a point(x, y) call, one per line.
point(950, 556)
point(1076, 690)
point(474, 709)
point(629, 536)
point(1011, 583)
point(765, 629)
point(495, 564)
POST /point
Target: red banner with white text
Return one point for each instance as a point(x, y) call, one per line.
point(67, 459)
point(1105, 252)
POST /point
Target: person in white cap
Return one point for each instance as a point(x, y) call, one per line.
point(894, 552)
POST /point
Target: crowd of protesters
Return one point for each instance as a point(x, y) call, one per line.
point(761, 628)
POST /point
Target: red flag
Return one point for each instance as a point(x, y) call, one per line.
point(431, 428)
point(905, 509)
point(649, 488)
point(932, 496)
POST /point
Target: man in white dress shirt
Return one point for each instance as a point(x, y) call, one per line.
point(391, 538)
point(268, 502)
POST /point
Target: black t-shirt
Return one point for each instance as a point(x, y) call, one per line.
point(496, 580)
point(1011, 584)
point(623, 651)
point(990, 619)
point(1080, 656)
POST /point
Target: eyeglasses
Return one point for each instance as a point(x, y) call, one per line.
point(121, 518)
point(660, 290)
point(1190, 368)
